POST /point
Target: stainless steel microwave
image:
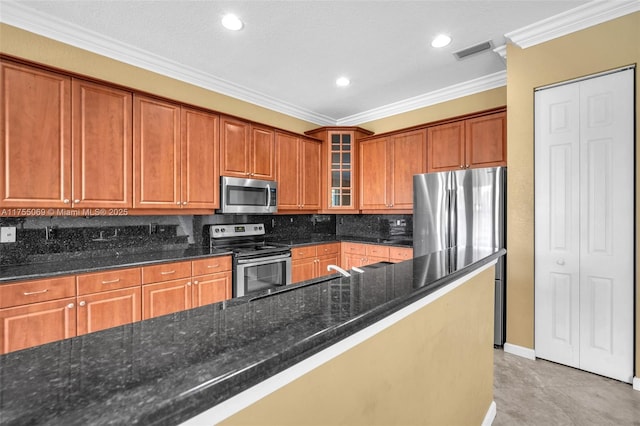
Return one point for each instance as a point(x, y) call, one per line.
point(248, 196)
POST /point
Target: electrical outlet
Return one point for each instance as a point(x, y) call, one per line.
point(8, 234)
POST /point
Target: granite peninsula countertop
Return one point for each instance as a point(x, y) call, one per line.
point(168, 369)
point(115, 259)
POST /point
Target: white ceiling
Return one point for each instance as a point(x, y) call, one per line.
point(290, 53)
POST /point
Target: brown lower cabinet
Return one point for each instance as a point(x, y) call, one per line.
point(199, 282)
point(36, 324)
point(166, 297)
point(308, 262)
point(107, 299)
point(358, 254)
point(36, 312)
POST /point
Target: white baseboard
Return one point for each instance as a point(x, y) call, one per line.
point(520, 351)
point(491, 415)
point(636, 383)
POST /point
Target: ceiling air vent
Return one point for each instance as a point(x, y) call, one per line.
point(461, 54)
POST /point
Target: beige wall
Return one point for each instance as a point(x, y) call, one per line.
point(603, 47)
point(434, 367)
point(468, 104)
point(29, 46)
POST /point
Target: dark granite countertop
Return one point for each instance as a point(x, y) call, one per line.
point(165, 370)
point(321, 239)
point(115, 259)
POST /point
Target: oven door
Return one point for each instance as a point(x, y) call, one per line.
point(261, 274)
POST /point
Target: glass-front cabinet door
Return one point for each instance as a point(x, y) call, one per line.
point(340, 168)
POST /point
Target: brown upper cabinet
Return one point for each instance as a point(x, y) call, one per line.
point(174, 155)
point(388, 165)
point(339, 167)
point(474, 142)
point(298, 172)
point(246, 150)
point(60, 153)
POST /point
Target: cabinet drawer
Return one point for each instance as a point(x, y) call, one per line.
point(166, 271)
point(303, 252)
point(400, 253)
point(377, 251)
point(27, 292)
point(328, 249)
point(109, 280)
point(353, 248)
point(211, 265)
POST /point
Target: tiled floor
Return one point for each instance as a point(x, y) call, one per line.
point(544, 393)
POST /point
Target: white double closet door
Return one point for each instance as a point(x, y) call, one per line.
point(584, 224)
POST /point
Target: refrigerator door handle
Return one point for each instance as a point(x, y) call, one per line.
point(453, 211)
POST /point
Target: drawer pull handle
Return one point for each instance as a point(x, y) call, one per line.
point(217, 265)
point(29, 293)
point(111, 281)
point(167, 272)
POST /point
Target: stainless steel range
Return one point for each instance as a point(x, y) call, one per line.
point(257, 264)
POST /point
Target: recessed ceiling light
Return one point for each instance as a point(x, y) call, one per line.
point(342, 82)
point(232, 22)
point(441, 40)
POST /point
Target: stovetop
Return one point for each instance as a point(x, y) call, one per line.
point(244, 240)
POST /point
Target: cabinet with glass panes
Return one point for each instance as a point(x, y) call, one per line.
point(339, 167)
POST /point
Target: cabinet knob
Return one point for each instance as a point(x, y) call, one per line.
point(178, 202)
point(70, 306)
point(467, 166)
point(189, 283)
point(66, 201)
point(76, 201)
point(195, 282)
point(560, 262)
point(462, 166)
point(83, 303)
point(184, 203)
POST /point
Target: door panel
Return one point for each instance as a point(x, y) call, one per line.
point(584, 215)
point(200, 175)
point(557, 260)
point(102, 146)
point(156, 153)
point(36, 138)
point(607, 223)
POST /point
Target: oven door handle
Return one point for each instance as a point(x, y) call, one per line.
point(263, 260)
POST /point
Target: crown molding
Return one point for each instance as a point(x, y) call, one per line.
point(593, 13)
point(455, 91)
point(502, 51)
point(18, 15)
point(579, 18)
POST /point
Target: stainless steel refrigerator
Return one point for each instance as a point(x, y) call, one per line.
point(464, 208)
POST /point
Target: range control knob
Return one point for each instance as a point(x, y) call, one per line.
point(222, 230)
point(216, 230)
